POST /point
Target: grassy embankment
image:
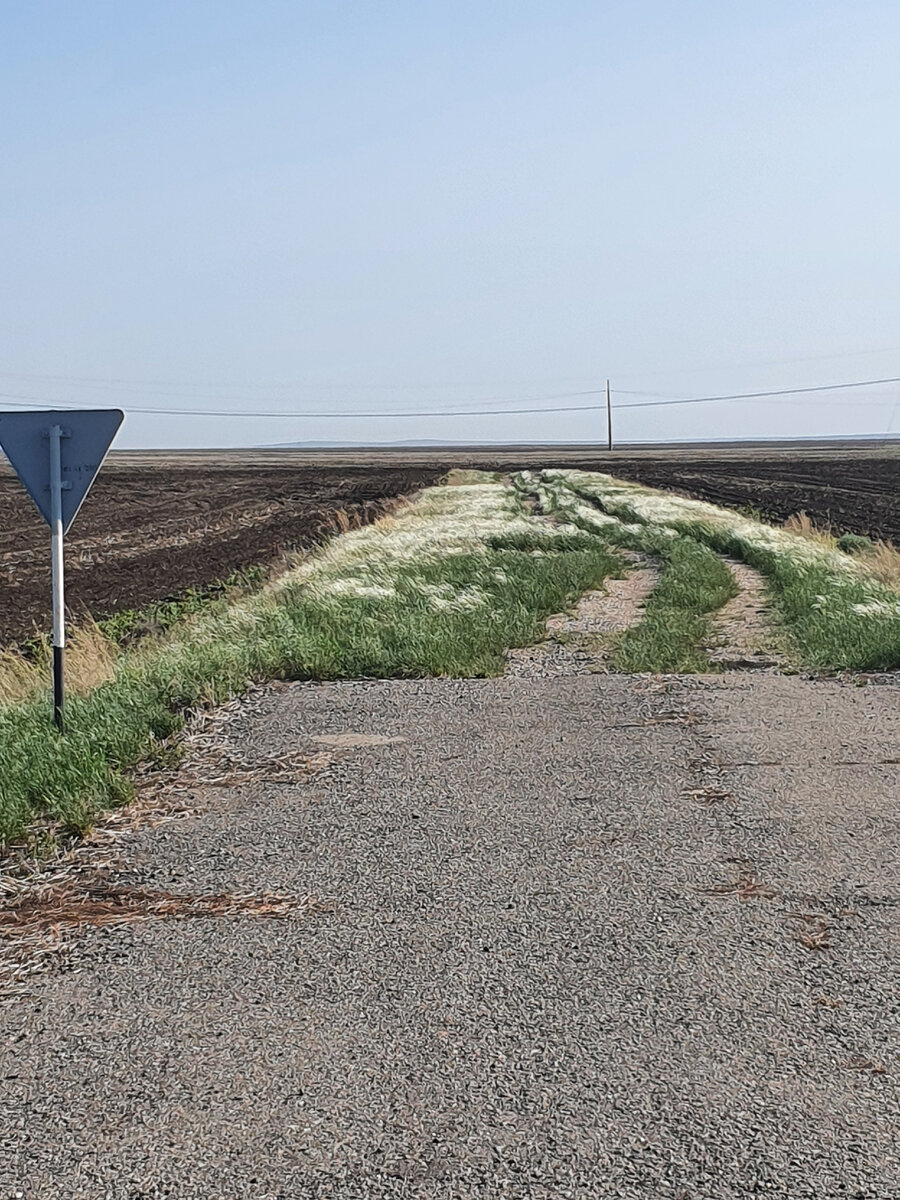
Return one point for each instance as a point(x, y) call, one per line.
point(839, 609)
point(441, 588)
point(676, 628)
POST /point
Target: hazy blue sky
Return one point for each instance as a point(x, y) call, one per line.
point(330, 206)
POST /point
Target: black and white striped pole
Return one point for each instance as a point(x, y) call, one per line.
point(56, 434)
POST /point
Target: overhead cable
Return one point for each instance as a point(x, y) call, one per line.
point(31, 402)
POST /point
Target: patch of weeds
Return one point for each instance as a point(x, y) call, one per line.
point(855, 543)
point(675, 627)
point(166, 755)
point(129, 625)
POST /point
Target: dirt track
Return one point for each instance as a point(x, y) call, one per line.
point(524, 961)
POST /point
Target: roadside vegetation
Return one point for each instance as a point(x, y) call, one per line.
point(93, 648)
point(840, 608)
point(130, 624)
point(443, 587)
point(694, 582)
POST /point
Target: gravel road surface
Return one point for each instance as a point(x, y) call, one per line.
point(586, 936)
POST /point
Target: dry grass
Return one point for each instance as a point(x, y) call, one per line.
point(342, 521)
point(883, 561)
point(34, 925)
point(801, 524)
point(745, 887)
point(464, 477)
point(71, 905)
point(19, 679)
point(90, 660)
point(814, 932)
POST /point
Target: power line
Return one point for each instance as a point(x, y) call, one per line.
point(767, 362)
point(825, 387)
point(233, 412)
point(30, 402)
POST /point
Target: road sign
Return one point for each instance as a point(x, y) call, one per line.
point(85, 437)
point(57, 455)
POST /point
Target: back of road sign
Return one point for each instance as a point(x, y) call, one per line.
point(86, 436)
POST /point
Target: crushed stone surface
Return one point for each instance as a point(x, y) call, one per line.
point(579, 642)
point(587, 936)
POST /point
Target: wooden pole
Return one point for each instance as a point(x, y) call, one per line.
point(609, 441)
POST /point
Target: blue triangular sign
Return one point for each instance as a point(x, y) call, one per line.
point(87, 435)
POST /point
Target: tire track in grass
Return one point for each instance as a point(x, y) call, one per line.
point(580, 642)
point(837, 613)
point(744, 637)
point(676, 632)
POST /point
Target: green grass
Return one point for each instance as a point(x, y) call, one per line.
point(828, 615)
point(159, 616)
point(675, 628)
point(834, 617)
point(294, 632)
point(855, 543)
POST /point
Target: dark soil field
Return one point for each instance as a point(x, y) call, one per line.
point(149, 531)
point(852, 496)
point(156, 524)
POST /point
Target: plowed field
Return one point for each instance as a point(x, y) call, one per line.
point(855, 495)
point(149, 532)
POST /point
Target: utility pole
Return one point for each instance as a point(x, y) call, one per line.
point(609, 443)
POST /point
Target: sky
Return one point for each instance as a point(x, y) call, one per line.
point(286, 208)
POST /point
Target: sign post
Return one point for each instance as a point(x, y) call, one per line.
point(57, 455)
point(58, 574)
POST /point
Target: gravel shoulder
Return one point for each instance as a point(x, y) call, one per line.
point(584, 936)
